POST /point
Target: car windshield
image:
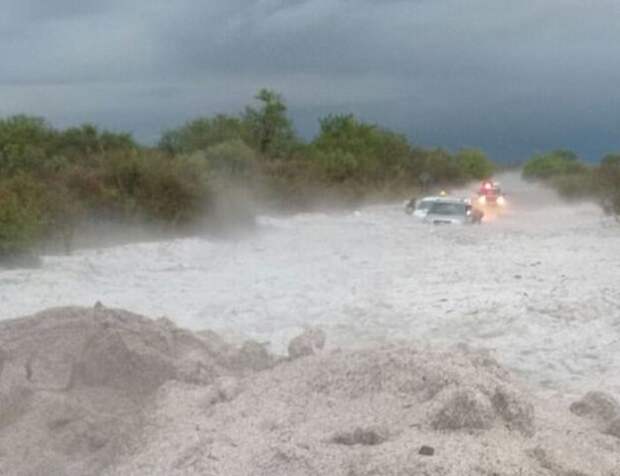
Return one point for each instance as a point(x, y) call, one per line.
point(424, 205)
point(447, 208)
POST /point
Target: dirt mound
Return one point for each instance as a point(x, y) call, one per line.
point(388, 411)
point(76, 384)
point(101, 391)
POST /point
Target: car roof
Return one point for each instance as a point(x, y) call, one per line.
point(430, 199)
point(445, 199)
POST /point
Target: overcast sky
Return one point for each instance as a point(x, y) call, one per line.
point(510, 76)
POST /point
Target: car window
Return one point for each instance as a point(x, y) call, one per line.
point(424, 205)
point(447, 208)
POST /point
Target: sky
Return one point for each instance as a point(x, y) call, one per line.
point(512, 77)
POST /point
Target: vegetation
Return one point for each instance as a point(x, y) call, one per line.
point(607, 182)
point(54, 181)
point(348, 159)
point(474, 164)
point(554, 164)
point(574, 179)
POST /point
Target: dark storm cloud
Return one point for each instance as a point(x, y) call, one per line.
point(37, 10)
point(509, 76)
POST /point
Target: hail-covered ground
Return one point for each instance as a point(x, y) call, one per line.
point(538, 284)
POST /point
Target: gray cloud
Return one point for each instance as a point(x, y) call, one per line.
point(508, 76)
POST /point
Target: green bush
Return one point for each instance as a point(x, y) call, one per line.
point(474, 164)
point(232, 159)
point(437, 166)
point(337, 166)
point(53, 181)
point(573, 179)
point(574, 186)
point(607, 180)
point(89, 186)
point(349, 148)
point(202, 133)
point(80, 144)
point(552, 164)
point(21, 215)
point(174, 191)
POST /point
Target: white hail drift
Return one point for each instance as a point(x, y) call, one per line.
point(539, 285)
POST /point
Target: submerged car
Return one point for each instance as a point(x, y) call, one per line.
point(453, 212)
point(419, 207)
point(490, 194)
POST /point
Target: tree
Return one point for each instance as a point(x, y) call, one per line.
point(607, 178)
point(435, 166)
point(345, 132)
point(85, 141)
point(474, 163)
point(233, 159)
point(270, 130)
point(24, 143)
point(337, 165)
point(202, 133)
point(21, 224)
point(551, 164)
point(358, 148)
point(611, 161)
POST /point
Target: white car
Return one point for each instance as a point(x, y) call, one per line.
point(454, 211)
point(419, 208)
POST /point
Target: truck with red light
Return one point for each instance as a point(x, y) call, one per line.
point(490, 194)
